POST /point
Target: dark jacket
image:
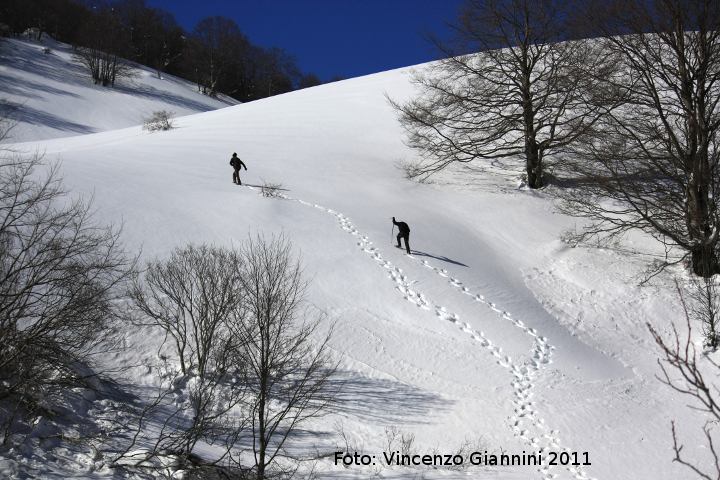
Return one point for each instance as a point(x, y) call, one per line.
point(237, 163)
point(402, 227)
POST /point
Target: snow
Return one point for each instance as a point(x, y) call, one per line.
point(52, 95)
point(493, 333)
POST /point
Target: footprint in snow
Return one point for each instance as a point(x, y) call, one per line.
point(542, 351)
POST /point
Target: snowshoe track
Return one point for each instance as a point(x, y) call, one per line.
point(526, 423)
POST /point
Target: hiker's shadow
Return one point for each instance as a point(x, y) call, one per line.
point(437, 257)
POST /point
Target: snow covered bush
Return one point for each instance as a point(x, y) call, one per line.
point(160, 120)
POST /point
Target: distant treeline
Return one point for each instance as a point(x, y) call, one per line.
point(216, 55)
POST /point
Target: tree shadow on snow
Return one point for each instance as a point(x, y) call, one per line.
point(418, 253)
point(152, 93)
point(383, 400)
point(24, 113)
point(27, 88)
point(49, 67)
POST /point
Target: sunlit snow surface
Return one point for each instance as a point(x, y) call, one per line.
point(493, 333)
point(51, 94)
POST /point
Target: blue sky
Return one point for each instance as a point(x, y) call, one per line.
point(347, 38)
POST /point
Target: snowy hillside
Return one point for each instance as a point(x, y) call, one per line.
point(493, 333)
point(51, 95)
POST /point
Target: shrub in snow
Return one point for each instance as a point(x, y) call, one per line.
point(47, 51)
point(160, 120)
point(271, 189)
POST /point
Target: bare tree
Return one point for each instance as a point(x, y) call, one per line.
point(193, 295)
point(679, 355)
point(60, 277)
point(287, 372)
point(234, 319)
point(309, 80)
point(278, 72)
point(216, 48)
point(652, 163)
point(154, 37)
point(705, 308)
point(522, 97)
point(104, 44)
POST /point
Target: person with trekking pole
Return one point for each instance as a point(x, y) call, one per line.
point(403, 233)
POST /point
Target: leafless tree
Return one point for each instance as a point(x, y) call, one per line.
point(105, 67)
point(652, 163)
point(309, 80)
point(250, 361)
point(155, 38)
point(680, 357)
point(705, 307)
point(287, 371)
point(522, 97)
point(216, 47)
point(193, 296)
point(104, 44)
point(60, 277)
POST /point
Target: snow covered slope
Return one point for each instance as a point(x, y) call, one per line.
point(51, 95)
point(493, 333)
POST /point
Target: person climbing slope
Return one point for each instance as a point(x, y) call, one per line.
point(403, 233)
point(236, 163)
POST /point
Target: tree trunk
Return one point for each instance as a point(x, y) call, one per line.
point(534, 165)
point(700, 225)
point(704, 261)
point(261, 427)
point(700, 207)
point(533, 160)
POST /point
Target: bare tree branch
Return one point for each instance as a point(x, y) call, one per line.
point(651, 162)
point(525, 96)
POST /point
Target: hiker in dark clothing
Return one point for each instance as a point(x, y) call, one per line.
point(403, 232)
point(236, 163)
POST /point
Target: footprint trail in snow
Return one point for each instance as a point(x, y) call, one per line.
point(525, 422)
